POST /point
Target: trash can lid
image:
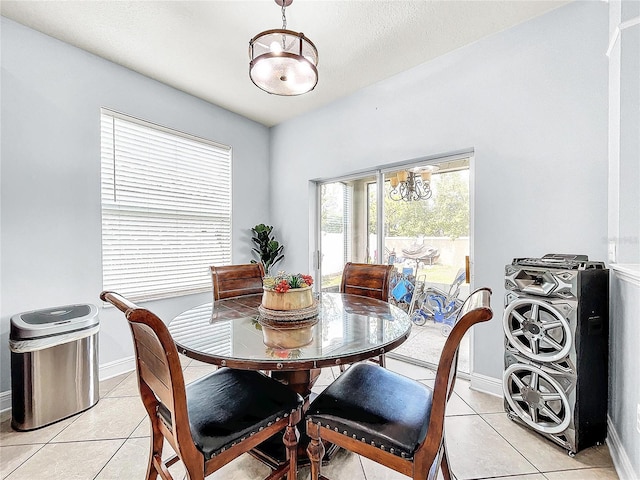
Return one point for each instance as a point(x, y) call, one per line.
point(53, 321)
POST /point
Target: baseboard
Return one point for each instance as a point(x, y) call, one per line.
point(5, 400)
point(105, 371)
point(621, 461)
point(117, 367)
point(485, 384)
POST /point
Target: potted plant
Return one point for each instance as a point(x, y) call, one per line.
point(267, 248)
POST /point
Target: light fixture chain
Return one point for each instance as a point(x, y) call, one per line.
point(284, 17)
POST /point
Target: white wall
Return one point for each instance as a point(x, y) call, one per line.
point(531, 102)
point(51, 227)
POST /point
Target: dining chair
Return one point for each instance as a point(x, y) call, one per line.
point(391, 419)
point(235, 280)
point(213, 420)
point(367, 280)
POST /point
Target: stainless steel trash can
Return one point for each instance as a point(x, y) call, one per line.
point(54, 364)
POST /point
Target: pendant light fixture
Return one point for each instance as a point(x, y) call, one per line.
point(283, 62)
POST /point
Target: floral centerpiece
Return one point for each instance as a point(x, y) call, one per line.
point(283, 282)
point(287, 292)
point(288, 311)
point(284, 353)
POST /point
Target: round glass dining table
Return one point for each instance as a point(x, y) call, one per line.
point(350, 328)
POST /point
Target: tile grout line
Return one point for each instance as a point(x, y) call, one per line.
point(132, 431)
point(77, 416)
point(29, 457)
point(506, 440)
point(110, 458)
point(577, 468)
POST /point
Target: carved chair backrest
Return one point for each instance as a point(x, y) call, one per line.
point(235, 280)
point(368, 280)
point(158, 368)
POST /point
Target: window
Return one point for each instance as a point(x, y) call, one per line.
point(166, 208)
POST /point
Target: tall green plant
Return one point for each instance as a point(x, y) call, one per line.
point(268, 249)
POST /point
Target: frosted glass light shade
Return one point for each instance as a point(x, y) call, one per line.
point(426, 176)
point(402, 176)
point(283, 62)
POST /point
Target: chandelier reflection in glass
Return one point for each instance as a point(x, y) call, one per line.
point(412, 185)
point(283, 62)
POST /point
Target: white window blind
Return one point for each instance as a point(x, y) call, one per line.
point(347, 220)
point(166, 208)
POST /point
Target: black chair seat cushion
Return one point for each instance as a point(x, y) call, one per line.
point(377, 406)
point(229, 405)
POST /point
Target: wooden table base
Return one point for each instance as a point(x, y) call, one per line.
point(272, 452)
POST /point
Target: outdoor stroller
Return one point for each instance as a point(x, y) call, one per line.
point(402, 286)
point(439, 306)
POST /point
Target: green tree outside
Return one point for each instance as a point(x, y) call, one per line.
point(445, 214)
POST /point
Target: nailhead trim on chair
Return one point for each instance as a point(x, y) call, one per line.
point(391, 450)
point(285, 415)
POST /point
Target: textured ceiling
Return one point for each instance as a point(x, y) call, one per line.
point(201, 47)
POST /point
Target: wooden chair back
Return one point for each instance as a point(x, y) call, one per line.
point(164, 396)
point(476, 309)
point(431, 452)
point(160, 377)
point(235, 280)
point(367, 280)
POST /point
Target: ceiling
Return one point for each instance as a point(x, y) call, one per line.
point(201, 47)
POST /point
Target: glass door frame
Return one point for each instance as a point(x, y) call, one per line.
point(379, 172)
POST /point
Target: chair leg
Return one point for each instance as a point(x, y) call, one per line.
point(315, 450)
point(382, 360)
point(444, 462)
point(155, 452)
point(194, 475)
point(290, 439)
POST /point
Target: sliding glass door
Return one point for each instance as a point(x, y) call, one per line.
point(414, 217)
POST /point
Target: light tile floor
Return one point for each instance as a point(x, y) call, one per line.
point(110, 442)
point(425, 344)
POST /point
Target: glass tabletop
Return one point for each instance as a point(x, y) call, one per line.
point(349, 328)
